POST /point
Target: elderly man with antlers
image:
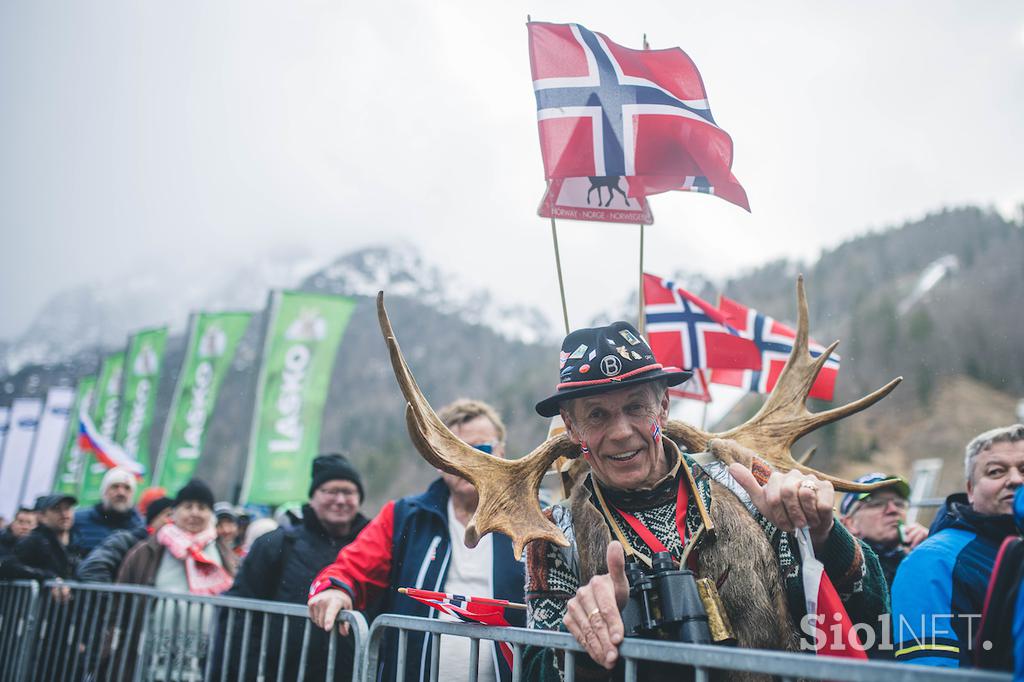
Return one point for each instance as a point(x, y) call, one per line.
point(726, 512)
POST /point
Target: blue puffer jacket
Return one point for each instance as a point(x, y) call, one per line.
point(93, 525)
point(939, 591)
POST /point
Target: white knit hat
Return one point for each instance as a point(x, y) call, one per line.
point(117, 475)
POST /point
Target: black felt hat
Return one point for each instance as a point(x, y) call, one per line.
point(601, 359)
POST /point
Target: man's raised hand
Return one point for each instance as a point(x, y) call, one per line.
point(594, 617)
point(325, 607)
point(791, 500)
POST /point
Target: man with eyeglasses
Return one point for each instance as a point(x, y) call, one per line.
point(417, 542)
point(281, 564)
point(940, 589)
point(879, 518)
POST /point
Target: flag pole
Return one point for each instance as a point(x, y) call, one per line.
point(561, 284)
point(704, 413)
point(640, 291)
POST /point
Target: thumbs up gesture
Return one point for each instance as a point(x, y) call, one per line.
point(594, 617)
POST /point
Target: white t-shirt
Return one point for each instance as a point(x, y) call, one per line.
point(469, 574)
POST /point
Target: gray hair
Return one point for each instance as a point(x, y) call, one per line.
point(983, 441)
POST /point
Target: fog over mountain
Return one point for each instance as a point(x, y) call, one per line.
point(932, 300)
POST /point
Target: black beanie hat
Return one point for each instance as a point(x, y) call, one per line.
point(157, 506)
point(195, 491)
point(333, 467)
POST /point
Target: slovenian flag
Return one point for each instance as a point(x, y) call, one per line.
point(107, 452)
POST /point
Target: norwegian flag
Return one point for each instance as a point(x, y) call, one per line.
point(685, 331)
point(775, 341)
point(607, 111)
point(468, 610)
point(696, 388)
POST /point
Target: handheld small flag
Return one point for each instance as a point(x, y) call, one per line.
point(835, 633)
point(481, 610)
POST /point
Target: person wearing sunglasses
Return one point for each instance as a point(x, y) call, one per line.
point(417, 541)
point(879, 518)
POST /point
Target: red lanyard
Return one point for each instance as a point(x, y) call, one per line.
point(652, 542)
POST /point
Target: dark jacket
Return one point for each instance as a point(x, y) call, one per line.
point(280, 567)
point(408, 545)
point(11, 568)
point(42, 551)
point(890, 558)
point(94, 524)
point(940, 587)
point(102, 563)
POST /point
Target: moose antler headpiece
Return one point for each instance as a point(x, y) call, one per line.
point(508, 488)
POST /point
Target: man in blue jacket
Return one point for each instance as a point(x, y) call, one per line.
point(112, 513)
point(417, 542)
point(939, 591)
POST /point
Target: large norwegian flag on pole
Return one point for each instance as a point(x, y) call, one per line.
point(607, 111)
point(775, 341)
point(686, 331)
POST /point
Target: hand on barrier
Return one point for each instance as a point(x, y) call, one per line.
point(324, 609)
point(61, 594)
point(791, 500)
point(594, 615)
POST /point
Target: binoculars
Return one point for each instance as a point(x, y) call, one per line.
point(664, 603)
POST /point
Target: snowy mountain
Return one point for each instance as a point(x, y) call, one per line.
point(84, 322)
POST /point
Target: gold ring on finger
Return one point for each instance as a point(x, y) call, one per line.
point(595, 612)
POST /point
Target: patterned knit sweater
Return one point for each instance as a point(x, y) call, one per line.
point(553, 573)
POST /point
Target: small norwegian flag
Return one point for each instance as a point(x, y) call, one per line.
point(686, 331)
point(482, 610)
point(775, 341)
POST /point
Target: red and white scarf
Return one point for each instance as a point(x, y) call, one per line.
point(204, 575)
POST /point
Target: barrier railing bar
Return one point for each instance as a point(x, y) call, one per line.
point(9, 605)
point(246, 635)
point(630, 670)
point(403, 649)
point(304, 651)
point(116, 634)
point(701, 674)
point(56, 628)
point(124, 643)
point(149, 654)
point(474, 659)
point(261, 668)
point(228, 631)
point(215, 633)
point(86, 625)
point(517, 662)
point(69, 652)
point(283, 648)
point(332, 650)
point(435, 656)
point(185, 661)
point(97, 651)
point(570, 666)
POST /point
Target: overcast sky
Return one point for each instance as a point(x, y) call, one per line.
point(136, 134)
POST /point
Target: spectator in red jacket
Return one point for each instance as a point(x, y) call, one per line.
point(418, 542)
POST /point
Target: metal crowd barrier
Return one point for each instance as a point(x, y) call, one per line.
point(86, 632)
point(702, 658)
point(120, 632)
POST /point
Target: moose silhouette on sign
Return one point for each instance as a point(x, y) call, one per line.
point(612, 183)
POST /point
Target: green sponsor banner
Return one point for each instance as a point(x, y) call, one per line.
point(71, 466)
point(302, 338)
point(105, 408)
point(212, 342)
point(142, 367)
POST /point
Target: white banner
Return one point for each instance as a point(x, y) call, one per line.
point(24, 420)
point(5, 414)
point(47, 446)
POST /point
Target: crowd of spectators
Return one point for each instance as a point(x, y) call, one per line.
point(943, 608)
